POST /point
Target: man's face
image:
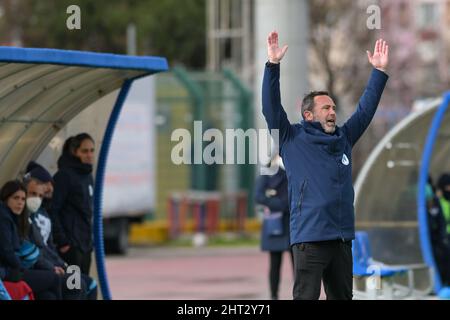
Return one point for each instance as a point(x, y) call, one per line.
point(324, 111)
point(35, 189)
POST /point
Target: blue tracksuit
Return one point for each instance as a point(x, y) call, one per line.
point(319, 165)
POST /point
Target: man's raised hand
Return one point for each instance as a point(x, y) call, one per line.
point(380, 57)
point(274, 52)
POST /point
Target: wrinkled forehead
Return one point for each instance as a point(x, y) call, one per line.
point(35, 187)
point(320, 101)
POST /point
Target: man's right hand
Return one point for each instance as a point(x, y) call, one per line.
point(64, 249)
point(274, 52)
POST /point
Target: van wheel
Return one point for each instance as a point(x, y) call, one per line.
point(119, 243)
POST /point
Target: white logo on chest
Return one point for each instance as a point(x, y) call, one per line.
point(345, 160)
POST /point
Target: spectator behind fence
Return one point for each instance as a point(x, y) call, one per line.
point(437, 232)
point(40, 234)
point(71, 206)
point(19, 266)
point(272, 193)
point(444, 199)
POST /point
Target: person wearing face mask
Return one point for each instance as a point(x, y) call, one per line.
point(40, 223)
point(72, 203)
point(14, 228)
point(40, 234)
point(35, 170)
point(36, 173)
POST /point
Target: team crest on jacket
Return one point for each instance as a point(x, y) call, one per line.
point(345, 161)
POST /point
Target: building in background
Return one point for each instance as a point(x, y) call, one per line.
point(419, 31)
point(230, 34)
point(237, 35)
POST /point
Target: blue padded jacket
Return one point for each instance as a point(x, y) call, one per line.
point(319, 165)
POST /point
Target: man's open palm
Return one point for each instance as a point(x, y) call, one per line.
point(380, 57)
point(274, 52)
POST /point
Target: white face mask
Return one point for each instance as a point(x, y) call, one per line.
point(34, 203)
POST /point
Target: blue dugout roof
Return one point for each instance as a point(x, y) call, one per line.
point(41, 90)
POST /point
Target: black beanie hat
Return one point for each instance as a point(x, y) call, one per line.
point(38, 172)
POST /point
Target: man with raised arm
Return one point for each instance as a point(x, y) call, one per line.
point(317, 155)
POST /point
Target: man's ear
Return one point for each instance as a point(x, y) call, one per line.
point(308, 115)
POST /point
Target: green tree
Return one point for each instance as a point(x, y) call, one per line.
point(170, 28)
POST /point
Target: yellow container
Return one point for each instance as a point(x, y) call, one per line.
point(151, 232)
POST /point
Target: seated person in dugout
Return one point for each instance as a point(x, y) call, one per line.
point(41, 234)
point(45, 284)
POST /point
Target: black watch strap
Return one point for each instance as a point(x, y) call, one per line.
point(270, 64)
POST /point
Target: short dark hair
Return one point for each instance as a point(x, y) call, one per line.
point(308, 100)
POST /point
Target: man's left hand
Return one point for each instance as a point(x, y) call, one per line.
point(59, 270)
point(380, 57)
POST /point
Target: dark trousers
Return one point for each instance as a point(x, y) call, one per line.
point(46, 284)
point(78, 258)
point(327, 261)
point(87, 290)
point(441, 254)
point(276, 258)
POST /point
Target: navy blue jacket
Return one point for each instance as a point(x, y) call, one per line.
point(71, 206)
point(48, 251)
point(10, 242)
point(276, 203)
point(319, 165)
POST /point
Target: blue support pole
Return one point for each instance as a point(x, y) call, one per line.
point(98, 193)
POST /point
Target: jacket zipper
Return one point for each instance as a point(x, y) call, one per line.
point(339, 204)
point(300, 202)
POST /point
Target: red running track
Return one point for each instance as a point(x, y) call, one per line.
point(195, 273)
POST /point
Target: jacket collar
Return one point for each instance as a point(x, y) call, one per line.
point(70, 161)
point(331, 143)
point(312, 126)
